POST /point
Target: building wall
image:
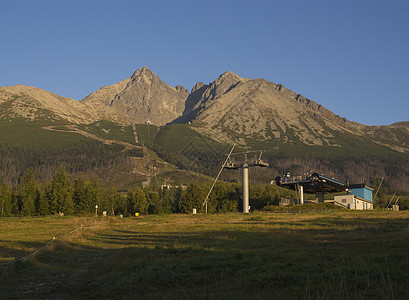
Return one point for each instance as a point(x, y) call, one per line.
point(362, 193)
point(351, 202)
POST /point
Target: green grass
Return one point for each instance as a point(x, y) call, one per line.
point(176, 137)
point(111, 131)
point(345, 255)
point(305, 207)
point(146, 133)
point(21, 133)
point(39, 114)
point(180, 145)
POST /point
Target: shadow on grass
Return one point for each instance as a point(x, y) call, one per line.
point(17, 249)
point(332, 260)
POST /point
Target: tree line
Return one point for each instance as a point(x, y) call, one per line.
point(78, 159)
point(61, 195)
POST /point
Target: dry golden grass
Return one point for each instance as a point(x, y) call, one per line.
point(341, 254)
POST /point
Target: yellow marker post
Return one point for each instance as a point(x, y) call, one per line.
point(136, 214)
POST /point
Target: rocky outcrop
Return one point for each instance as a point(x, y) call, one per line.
point(233, 109)
point(141, 98)
point(202, 95)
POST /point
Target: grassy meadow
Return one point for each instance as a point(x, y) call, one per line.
point(325, 255)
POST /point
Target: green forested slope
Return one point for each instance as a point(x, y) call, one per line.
point(27, 144)
point(350, 158)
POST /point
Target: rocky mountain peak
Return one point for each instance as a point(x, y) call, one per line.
point(184, 93)
point(180, 88)
point(203, 95)
point(143, 71)
point(230, 75)
point(229, 78)
point(223, 84)
point(144, 74)
point(197, 86)
point(143, 97)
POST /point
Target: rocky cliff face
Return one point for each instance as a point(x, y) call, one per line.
point(233, 109)
point(141, 98)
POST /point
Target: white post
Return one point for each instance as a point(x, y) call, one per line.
point(301, 191)
point(245, 188)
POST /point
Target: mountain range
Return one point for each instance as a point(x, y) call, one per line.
point(252, 113)
point(230, 109)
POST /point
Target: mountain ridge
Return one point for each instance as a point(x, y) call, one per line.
point(230, 109)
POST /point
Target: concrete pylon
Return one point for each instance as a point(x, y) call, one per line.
point(245, 169)
point(301, 191)
point(319, 197)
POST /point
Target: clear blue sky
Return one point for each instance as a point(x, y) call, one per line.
point(350, 56)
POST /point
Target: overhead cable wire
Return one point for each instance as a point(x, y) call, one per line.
point(82, 227)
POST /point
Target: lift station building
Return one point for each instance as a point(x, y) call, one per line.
point(357, 196)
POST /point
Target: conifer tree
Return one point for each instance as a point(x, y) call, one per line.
point(59, 193)
point(78, 195)
point(93, 196)
point(192, 197)
point(225, 198)
point(15, 201)
point(137, 203)
point(27, 191)
point(5, 200)
point(141, 203)
point(119, 204)
point(130, 203)
point(155, 202)
point(41, 203)
point(110, 199)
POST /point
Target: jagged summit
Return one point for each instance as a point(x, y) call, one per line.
point(197, 86)
point(142, 97)
point(229, 75)
point(144, 72)
point(233, 109)
point(202, 95)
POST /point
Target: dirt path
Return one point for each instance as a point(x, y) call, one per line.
point(135, 134)
point(73, 129)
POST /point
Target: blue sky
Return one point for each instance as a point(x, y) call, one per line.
point(350, 56)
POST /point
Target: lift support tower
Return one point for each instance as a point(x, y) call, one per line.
point(244, 166)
